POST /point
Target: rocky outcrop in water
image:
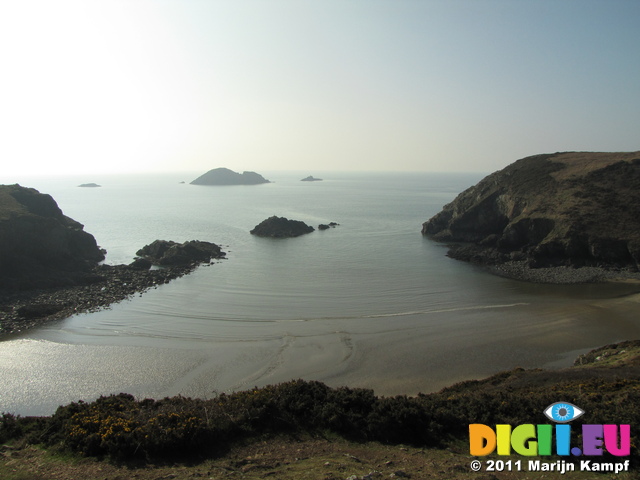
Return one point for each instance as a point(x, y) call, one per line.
point(311, 178)
point(165, 253)
point(576, 209)
point(281, 227)
point(324, 226)
point(39, 246)
point(21, 310)
point(224, 176)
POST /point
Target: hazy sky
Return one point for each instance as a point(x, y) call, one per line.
point(122, 86)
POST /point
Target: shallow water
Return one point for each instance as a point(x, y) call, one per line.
point(370, 303)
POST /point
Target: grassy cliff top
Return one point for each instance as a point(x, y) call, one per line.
point(577, 164)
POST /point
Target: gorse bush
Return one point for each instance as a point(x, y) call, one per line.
point(122, 427)
point(10, 427)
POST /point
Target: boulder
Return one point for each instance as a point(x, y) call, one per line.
point(281, 227)
point(141, 264)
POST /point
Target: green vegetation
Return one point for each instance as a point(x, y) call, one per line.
point(123, 428)
point(300, 429)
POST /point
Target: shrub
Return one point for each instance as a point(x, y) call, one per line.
point(122, 427)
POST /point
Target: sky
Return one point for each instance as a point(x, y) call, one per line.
point(122, 86)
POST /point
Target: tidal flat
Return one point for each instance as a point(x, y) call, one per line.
point(403, 353)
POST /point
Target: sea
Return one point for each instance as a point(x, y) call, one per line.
point(370, 303)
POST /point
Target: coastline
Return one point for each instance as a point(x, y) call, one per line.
point(108, 285)
point(562, 275)
point(111, 284)
point(409, 354)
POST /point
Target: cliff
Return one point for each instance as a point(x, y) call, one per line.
point(577, 209)
point(224, 176)
point(39, 245)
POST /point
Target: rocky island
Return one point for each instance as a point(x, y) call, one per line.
point(558, 218)
point(50, 267)
point(224, 176)
point(311, 178)
point(281, 227)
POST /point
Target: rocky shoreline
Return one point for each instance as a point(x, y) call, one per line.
point(106, 285)
point(50, 267)
point(559, 275)
point(562, 275)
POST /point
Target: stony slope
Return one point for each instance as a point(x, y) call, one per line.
point(573, 209)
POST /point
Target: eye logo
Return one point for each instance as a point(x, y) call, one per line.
point(563, 412)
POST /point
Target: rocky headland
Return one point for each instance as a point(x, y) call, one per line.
point(224, 176)
point(559, 218)
point(40, 247)
point(50, 267)
point(281, 227)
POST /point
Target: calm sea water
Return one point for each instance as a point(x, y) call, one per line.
point(369, 303)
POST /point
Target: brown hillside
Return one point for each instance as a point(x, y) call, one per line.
point(571, 209)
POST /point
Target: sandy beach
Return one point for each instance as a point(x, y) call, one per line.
point(404, 353)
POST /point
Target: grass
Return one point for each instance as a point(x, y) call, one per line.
point(284, 458)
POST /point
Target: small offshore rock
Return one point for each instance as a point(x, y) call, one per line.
point(281, 227)
point(324, 226)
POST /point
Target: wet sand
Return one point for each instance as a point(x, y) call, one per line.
point(404, 353)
